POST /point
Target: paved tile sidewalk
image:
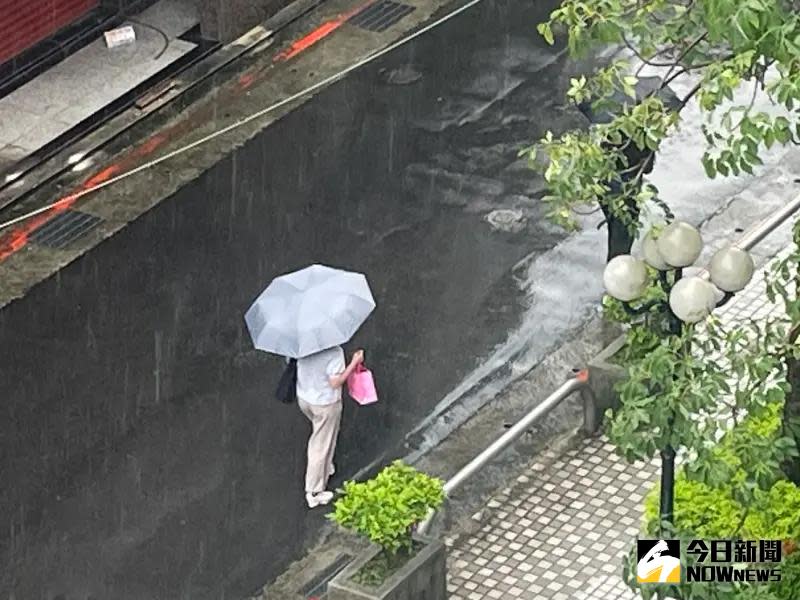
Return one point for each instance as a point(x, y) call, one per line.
point(559, 532)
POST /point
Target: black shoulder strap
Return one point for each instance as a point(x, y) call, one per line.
point(286, 391)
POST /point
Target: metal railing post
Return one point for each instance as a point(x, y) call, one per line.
point(591, 414)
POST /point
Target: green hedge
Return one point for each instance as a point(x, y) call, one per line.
point(711, 513)
point(790, 574)
point(707, 512)
point(385, 508)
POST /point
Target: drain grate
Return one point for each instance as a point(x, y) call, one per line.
point(317, 588)
point(381, 15)
point(64, 229)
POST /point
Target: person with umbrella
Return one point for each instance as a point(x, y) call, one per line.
point(306, 316)
point(320, 378)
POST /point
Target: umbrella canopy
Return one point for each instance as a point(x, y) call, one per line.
point(309, 310)
point(644, 87)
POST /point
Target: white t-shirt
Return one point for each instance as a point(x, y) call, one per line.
point(313, 374)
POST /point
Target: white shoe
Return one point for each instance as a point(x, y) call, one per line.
point(318, 499)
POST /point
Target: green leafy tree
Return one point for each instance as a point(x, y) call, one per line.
point(783, 284)
point(720, 511)
point(755, 390)
point(721, 45)
point(681, 391)
point(715, 508)
point(723, 395)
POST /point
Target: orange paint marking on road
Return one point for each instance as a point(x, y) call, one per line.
point(246, 80)
point(150, 145)
point(101, 177)
point(19, 237)
point(318, 34)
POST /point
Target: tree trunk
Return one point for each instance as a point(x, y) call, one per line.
point(620, 240)
point(791, 408)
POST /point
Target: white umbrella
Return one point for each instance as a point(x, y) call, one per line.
point(309, 310)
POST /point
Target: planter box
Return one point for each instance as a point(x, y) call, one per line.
point(424, 577)
point(604, 375)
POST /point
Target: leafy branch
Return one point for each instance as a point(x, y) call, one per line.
point(722, 43)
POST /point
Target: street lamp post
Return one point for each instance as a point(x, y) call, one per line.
point(689, 299)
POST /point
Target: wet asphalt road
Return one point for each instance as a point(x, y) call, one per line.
point(151, 460)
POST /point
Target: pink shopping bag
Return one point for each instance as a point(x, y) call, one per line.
point(361, 386)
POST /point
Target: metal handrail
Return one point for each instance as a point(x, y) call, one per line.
point(578, 383)
point(756, 234)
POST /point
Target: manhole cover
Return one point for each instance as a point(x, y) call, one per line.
point(381, 15)
point(64, 229)
point(507, 220)
point(404, 75)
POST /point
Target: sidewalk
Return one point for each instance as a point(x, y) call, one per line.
point(559, 532)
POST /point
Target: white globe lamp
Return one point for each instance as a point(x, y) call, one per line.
point(625, 278)
point(679, 244)
point(651, 254)
point(731, 269)
point(692, 299)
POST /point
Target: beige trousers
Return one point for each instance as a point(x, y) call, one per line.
point(325, 422)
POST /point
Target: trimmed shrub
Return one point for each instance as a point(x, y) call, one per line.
point(384, 510)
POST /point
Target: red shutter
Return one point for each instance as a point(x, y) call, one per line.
point(23, 23)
